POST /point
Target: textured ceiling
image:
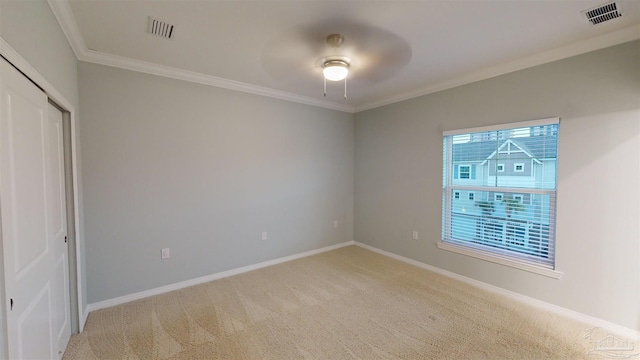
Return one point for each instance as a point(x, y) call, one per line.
point(399, 49)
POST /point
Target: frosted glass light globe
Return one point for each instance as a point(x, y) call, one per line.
point(335, 70)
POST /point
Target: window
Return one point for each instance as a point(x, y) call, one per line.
point(519, 167)
point(512, 219)
point(465, 171)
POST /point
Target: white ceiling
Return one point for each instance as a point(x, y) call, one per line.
point(400, 49)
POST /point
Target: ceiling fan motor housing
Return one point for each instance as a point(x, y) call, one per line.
point(335, 40)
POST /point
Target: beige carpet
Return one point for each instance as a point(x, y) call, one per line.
point(345, 304)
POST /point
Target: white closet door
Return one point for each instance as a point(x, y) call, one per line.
point(58, 231)
point(32, 202)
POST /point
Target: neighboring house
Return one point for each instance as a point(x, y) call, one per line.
point(525, 161)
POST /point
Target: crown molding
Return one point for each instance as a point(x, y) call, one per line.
point(62, 11)
point(101, 58)
point(600, 42)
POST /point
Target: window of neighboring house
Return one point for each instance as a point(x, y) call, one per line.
point(512, 222)
point(464, 171)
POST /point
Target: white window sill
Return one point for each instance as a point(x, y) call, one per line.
point(500, 260)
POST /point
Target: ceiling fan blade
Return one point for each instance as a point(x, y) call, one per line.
point(376, 54)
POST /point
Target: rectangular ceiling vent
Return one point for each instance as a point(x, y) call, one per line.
point(602, 13)
point(160, 28)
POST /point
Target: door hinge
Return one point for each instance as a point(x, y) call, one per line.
point(11, 304)
point(65, 239)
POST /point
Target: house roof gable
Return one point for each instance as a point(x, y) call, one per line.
point(511, 142)
point(481, 151)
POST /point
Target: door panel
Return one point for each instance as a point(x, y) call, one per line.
point(57, 223)
point(32, 203)
point(30, 327)
point(61, 315)
point(26, 120)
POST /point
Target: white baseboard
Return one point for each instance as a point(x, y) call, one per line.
point(83, 320)
point(609, 326)
point(183, 284)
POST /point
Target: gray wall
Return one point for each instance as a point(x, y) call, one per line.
point(31, 29)
point(597, 95)
point(203, 171)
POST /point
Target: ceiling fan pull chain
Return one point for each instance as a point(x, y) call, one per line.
point(345, 88)
point(325, 86)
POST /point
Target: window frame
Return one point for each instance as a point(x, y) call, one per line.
point(500, 167)
point(480, 252)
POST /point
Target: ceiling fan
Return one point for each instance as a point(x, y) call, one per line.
point(367, 55)
point(335, 67)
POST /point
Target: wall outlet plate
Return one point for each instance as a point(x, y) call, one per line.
point(165, 254)
point(264, 235)
point(415, 235)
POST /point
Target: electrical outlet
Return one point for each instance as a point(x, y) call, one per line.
point(264, 235)
point(165, 254)
point(415, 235)
point(335, 223)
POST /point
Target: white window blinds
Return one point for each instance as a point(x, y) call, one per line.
point(499, 190)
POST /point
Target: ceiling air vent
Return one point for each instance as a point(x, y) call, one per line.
point(160, 28)
point(602, 13)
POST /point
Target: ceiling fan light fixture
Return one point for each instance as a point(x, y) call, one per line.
point(335, 70)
